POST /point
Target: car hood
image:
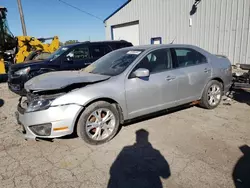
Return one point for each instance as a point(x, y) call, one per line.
point(28, 64)
point(61, 79)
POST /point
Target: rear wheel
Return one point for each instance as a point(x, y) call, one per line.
point(98, 123)
point(212, 95)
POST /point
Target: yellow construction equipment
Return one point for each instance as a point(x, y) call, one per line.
point(2, 66)
point(23, 48)
point(30, 47)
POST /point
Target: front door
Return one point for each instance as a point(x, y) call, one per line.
point(196, 71)
point(154, 93)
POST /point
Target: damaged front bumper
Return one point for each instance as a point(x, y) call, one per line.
point(53, 122)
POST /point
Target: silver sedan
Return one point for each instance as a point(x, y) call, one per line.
point(120, 86)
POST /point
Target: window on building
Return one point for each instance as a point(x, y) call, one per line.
point(156, 40)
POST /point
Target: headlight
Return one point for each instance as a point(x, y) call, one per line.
point(23, 71)
point(39, 104)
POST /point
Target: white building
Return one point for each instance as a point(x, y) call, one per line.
point(219, 26)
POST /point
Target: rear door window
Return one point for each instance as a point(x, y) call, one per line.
point(186, 57)
point(98, 51)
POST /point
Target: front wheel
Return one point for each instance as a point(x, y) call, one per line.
point(212, 95)
point(98, 123)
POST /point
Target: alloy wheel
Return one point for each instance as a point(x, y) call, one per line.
point(100, 124)
point(214, 95)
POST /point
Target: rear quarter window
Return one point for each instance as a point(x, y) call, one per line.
point(120, 45)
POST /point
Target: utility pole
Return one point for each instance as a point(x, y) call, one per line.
point(22, 17)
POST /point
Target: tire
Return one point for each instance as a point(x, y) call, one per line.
point(87, 118)
point(206, 100)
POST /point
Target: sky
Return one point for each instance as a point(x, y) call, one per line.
point(47, 18)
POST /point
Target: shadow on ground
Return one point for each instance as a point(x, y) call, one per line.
point(241, 173)
point(1, 102)
point(71, 136)
point(157, 114)
point(241, 95)
point(139, 165)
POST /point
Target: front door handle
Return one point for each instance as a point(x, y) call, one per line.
point(206, 70)
point(170, 78)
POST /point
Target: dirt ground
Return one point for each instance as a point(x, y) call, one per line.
point(191, 147)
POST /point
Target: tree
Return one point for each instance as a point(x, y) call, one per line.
point(70, 42)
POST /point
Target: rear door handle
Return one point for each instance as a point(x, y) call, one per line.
point(206, 70)
point(170, 78)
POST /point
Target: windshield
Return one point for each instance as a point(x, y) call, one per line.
point(113, 63)
point(57, 53)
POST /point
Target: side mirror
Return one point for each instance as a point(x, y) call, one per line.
point(141, 73)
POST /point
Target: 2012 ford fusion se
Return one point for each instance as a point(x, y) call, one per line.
point(120, 86)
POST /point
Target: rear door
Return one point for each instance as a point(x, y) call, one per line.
point(196, 71)
point(76, 59)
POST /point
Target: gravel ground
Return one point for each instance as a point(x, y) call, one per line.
point(191, 147)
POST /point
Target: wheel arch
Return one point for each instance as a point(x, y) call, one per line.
point(219, 80)
point(214, 78)
point(106, 99)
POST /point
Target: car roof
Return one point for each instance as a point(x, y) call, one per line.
point(156, 46)
point(97, 42)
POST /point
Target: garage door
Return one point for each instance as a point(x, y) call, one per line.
point(129, 33)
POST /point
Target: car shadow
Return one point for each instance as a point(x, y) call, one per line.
point(139, 165)
point(240, 95)
point(71, 136)
point(241, 172)
point(1, 102)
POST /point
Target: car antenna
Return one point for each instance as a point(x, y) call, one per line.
point(173, 41)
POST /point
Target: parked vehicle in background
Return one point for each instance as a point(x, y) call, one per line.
point(120, 86)
point(70, 57)
point(242, 79)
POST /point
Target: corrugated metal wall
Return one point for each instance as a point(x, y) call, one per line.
point(219, 26)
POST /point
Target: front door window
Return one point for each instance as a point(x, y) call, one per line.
point(78, 54)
